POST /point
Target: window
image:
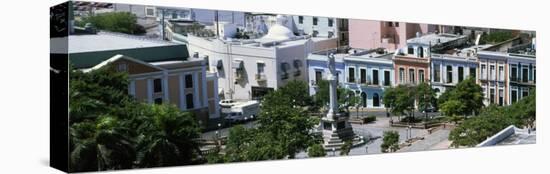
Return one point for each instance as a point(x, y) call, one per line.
point(420, 52)
point(390, 24)
point(375, 77)
point(387, 78)
point(261, 68)
point(396, 24)
point(188, 81)
point(315, 20)
point(189, 101)
point(501, 73)
point(122, 67)
point(351, 73)
point(525, 74)
point(492, 72)
point(420, 75)
point(315, 33)
point(318, 76)
point(158, 101)
point(411, 75)
point(401, 75)
point(364, 99)
point(410, 50)
point(362, 76)
point(437, 73)
point(300, 19)
point(157, 85)
point(500, 97)
point(514, 95)
point(174, 15)
point(330, 22)
point(492, 96)
point(483, 71)
point(514, 73)
point(449, 74)
point(460, 74)
point(375, 100)
point(473, 72)
point(150, 11)
point(524, 92)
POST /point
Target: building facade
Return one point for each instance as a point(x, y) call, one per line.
point(158, 71)
point(249, 68)
point(368, 34)
point(324, 27)
point(366, 72)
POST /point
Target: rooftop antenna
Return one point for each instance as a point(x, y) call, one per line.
point(216, 18)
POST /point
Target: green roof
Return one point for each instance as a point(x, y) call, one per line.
point(148, 54)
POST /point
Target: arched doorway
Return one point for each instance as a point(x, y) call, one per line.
point(364, 99)
point(375, 100)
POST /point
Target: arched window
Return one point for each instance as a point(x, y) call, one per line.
point(364, 99)
point(375, 100)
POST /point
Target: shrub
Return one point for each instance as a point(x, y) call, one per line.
point(316, 150)
point(368, 119)
point(390, 142)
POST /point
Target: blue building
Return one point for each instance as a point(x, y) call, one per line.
point(366, 72)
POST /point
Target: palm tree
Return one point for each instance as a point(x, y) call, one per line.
point(100, 145)
point(168, 137)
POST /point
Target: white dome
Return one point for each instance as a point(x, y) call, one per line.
point(279, 31)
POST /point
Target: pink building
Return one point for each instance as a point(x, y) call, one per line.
point(368, 34)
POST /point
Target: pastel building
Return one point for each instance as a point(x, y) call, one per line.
point(413, 64)
point(368, 34)
point(508, 71)
point(249, 68)
point(158, 71)
point(366, 72)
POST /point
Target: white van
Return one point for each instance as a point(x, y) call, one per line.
point(242, 111)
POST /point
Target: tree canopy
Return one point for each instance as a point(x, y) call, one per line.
point(124, 22)
point(111, 130)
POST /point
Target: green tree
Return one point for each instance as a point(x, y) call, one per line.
point(404, 101)
point(468, 93)
point(425, 97)
point(237, 141)
point(124, 22)
point(389, 98)
point(346, 148)
point(343, 95)
point(299, 92)
point(316, 150)
point(390, 142)
point(100, 145)
point(452, 108)
point(167, 137)
point(476, 129)
point(111, 130)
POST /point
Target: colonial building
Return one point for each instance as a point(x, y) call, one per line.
point(366, 72)
point(249, 68)
point(159, 71)
point(508, 70)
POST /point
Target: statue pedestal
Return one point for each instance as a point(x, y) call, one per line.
point(336, 130)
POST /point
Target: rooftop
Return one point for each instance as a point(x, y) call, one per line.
point(91, 49)
point(434, 39)
point(511, 135)
point(103, 41)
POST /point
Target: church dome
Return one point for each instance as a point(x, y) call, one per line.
point(278, 31)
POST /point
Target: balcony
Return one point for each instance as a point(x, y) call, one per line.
point(261, 77)
point(521, 81)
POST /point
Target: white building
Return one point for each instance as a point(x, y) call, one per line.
point(249, 68)
point(323, 26)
